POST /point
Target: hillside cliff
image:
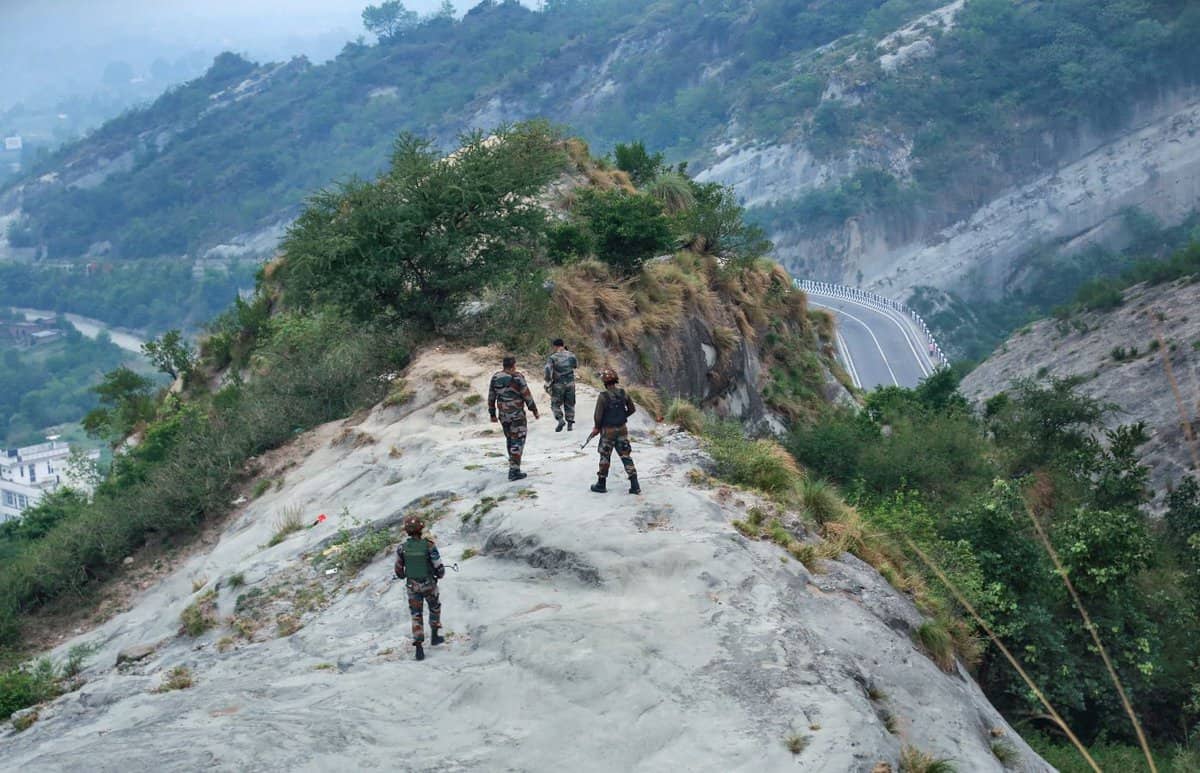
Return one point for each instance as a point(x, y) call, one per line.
point(580, 620)
point(874, 139)
point(1116, 357)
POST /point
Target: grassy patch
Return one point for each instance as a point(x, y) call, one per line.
point(1005, 753)
point(178, 678)
point(938, 643)
point(28, 685)
point(796, 743)
point(472, 400)
point(200, 615)
point(260, 488)
point(686, 416)
point(288, 521)
point(237, 580)
point(913, 760)
point(760, 464)
point(398, 394)
point(647, 399)
point(469, 553)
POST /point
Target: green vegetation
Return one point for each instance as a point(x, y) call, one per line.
point(1005, 76)
point(913, 760)
point(51, 383)
point(151, 295)
point(923, 470)
point(178, 678)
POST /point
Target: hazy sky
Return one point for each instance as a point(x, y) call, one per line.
point(63, 44)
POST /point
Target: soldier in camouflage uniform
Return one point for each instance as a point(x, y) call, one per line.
point(560, 383)
point(418, 562)
point(508, 395)
point(613, 408)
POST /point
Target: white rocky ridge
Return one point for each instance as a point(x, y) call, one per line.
point(593, 632)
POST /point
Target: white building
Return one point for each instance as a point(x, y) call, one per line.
point(27, 474)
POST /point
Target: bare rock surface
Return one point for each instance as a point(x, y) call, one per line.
point(600, 632)
point(1136, 385)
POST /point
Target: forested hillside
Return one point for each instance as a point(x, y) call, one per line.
point(912, 126)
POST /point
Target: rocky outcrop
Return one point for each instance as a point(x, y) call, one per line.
point(1115, 354)
point(1155, 169)
point(614, 632)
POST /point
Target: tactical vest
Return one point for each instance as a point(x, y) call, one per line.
point(560, 366)
point(416, 560)
point(614, 409)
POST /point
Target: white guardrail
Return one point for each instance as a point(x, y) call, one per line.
point(874, 300)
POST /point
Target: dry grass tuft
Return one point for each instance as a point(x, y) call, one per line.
point(647, 399)
point(686, 416)
point(352, 438)
point(935, 638)
point(288, 521)
point(913, 760)
point(178, 678)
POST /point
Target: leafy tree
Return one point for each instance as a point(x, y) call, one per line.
point(171, 354)
point(640, 165)
point(390, 19)
point(629, 228)
point(432, 232)
point(127, 400)
point(717, 225)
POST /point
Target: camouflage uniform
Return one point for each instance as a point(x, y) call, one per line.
point(423, 592)
point(560, 375)
point(613, 435)
point(508, 396)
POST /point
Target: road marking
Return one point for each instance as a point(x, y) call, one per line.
point(849, 361)
point(923, 362)
point(871, 333)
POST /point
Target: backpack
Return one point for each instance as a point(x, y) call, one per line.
point(416, 560)
point(614, 409)
point(562, 366)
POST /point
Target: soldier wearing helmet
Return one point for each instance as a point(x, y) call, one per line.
point(420, 565)
point(613, 409)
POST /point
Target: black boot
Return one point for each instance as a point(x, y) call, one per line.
point(560, 426)
point(420, 650)
point(634, 488)
point(570, 426)
point(436, 639)
point(599, 486)
point(516, 475)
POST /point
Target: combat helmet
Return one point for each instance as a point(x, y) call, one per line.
point(413, 525)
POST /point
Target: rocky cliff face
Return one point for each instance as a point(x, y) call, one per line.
point(1152, 165)
point(1134, 381)
point(614, 632)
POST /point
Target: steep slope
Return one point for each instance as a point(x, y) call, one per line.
point(1116, 356)
point(610, 632)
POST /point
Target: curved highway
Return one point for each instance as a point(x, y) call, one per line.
point(878, 342)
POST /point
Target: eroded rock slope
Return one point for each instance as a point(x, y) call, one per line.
point(602, 632)
point(1115, 356)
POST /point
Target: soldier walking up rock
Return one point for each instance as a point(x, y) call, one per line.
point(560, 383)
point(613, 409)
point(508, 395)
point(420, 565)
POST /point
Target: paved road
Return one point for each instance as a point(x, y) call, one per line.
point(92, 328)
point(878, 347)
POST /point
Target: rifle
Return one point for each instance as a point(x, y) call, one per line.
point(589, 440)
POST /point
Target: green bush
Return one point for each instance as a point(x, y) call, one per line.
point(430, 235)
point(760, 464)
point(27, 685)
point(686, 416)
point(629, 228)
point(310, 369)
